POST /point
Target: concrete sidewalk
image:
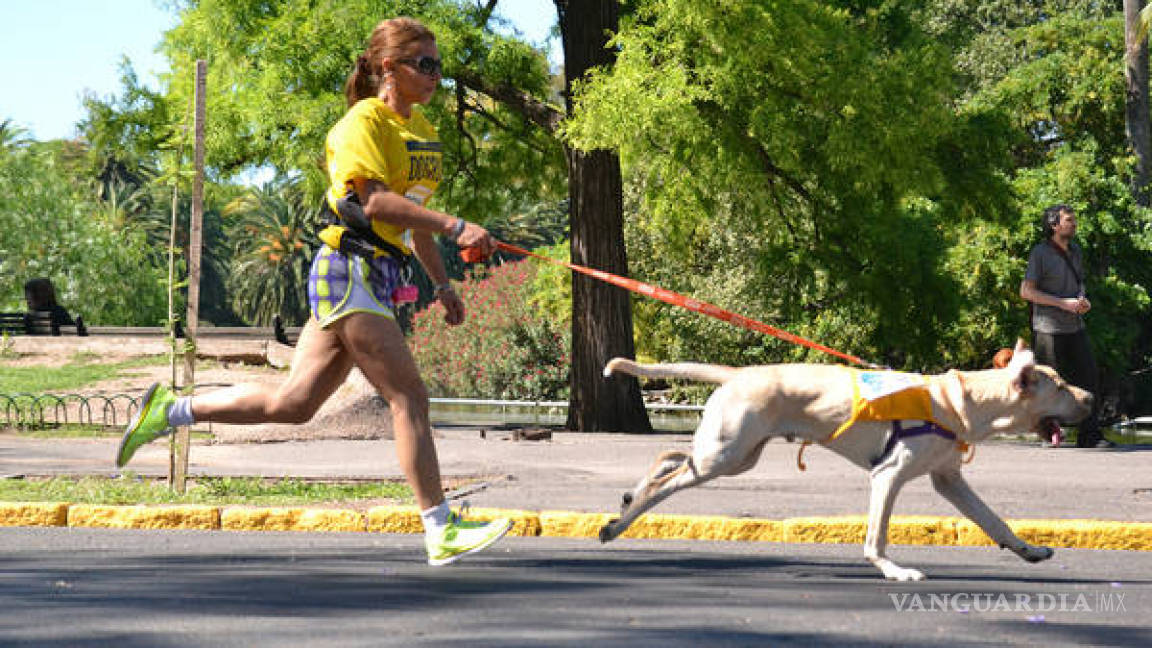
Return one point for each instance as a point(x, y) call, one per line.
point(587, 473)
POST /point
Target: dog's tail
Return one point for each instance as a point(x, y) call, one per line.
point(682, 370)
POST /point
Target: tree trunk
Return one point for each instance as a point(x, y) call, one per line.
point(601, 313)
point(1136, 115)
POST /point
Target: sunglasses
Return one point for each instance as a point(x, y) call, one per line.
point(426, 65)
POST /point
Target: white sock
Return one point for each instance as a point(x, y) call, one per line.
point(435, 518)
point(180, 412)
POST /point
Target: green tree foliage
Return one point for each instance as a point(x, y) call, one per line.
point(980, 32)
point(133, 153)
point(12, 137)
point(125, 136)
point(870, 174)
point(102, 270)
point(218, 255)
point(1065, 91)
point(275, 87)
point(798, 162)
point(272, 231)
point(866, 173)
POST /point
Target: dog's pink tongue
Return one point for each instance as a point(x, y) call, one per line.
point(1057, 434)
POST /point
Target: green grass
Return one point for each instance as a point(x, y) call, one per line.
point(71, 431)
point(6, 346)
point(82, 431)
point(82, 370)
point(214, 490)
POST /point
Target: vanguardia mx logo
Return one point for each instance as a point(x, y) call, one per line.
point(1018, 602)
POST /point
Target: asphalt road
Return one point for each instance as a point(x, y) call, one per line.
point(128, 588)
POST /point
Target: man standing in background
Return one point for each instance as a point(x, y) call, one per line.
point(1054, 285)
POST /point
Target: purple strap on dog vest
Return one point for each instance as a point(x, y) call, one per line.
point(899, 432)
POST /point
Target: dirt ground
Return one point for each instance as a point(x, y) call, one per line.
point(353, 412)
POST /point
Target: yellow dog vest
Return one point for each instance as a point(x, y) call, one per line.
point(887, 396)
point(890, 396)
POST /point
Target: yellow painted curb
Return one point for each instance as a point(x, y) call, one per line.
point(921, 530)
point(394, 519)
point(843, 530)
point(1073, 534)
point(524, 523)
point(705, 527)
point(243, 518)
point(33, 513)
point(566, 524)
point(144, 517)
point(852, 529)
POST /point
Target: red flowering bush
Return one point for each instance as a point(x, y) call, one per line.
point(504, 349)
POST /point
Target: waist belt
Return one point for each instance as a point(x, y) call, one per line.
point(358, 237)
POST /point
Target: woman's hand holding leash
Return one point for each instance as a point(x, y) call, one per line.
point(470, 236)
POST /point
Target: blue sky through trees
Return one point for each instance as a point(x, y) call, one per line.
point(54, 51)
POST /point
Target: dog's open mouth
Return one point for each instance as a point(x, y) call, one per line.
point(1049, 430)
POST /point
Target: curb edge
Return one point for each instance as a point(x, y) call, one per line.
point(912, 530)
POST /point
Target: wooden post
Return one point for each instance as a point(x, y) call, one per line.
point(179, 476)
point(172, 339)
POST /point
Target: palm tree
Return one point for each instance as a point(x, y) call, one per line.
point(122, 202)
point(12, 136)
point(274, 242)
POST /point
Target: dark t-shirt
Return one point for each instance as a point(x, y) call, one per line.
point(1048, 270)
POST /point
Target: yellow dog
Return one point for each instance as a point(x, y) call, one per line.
point(815, 402)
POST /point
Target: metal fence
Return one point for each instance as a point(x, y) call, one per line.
point(664, 416)
point(41, 411)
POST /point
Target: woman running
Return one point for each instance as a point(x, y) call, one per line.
point(384, 162)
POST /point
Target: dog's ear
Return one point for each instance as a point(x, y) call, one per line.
point(1021, 366)
point(1020, 347)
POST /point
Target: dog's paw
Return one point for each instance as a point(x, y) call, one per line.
point(903, 574)
point(895, 572)
point(606, 532)
point(1035, 554)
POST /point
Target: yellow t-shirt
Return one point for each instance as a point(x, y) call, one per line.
point(372, 142)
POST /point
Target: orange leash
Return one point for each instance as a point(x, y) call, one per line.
point(471, 255)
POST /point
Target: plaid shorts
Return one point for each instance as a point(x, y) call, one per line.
point(339, 284)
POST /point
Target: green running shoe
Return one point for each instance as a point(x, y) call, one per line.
point(462, 537)
point(150, 423)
